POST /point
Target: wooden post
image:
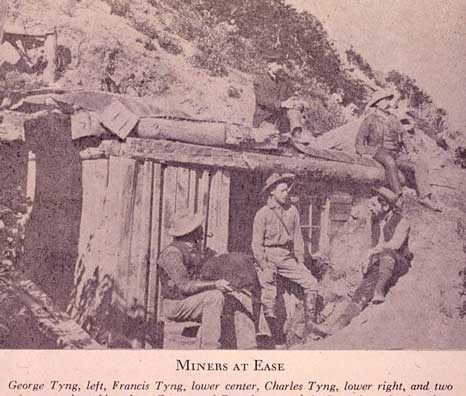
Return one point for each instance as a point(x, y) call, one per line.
point(3, 11)
point(31, 177)
point(182, 188)
point(153, 287)
point(324, 243)
point(140, 238)
point(219, 210)
point(311, 230)
point(50, 48)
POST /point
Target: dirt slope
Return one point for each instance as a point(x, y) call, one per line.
point(422, 311)
point(103, 45)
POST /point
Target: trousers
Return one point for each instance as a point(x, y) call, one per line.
point(281, 262)
point(207, 308)
point(382, 267)
point(392, 164)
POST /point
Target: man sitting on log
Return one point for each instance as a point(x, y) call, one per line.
point(276, 106)
point(278, 248)
point(381, 136)
point(187, 297)
point(387, 260)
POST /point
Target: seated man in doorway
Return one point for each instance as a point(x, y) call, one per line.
point(381, 137)
point(278, 248)
point(276, 105)
point(387, 260)
point(185, 296)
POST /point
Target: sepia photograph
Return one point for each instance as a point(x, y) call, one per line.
point(241, 174)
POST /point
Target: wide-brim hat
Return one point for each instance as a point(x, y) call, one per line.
point(276, 178)
point(379, 96)
point(386, 194)
point(185, 222)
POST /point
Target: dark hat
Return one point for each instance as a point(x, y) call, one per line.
point(387, 194)
point(276, 178)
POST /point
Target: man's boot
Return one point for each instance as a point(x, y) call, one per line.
point(386, 266)
point(430, 203)
point(277, 339)
point(310, 315)
point(351, 311)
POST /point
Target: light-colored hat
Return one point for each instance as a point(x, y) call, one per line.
point(184, 222)
point(276, 178)
point(380, 95)
point(387, 194)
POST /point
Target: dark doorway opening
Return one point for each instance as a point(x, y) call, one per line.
point(52, 234)
point(245, 200)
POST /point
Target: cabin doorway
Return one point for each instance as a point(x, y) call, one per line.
point(245, 200)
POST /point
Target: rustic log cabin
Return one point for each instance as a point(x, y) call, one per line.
point(106, 173)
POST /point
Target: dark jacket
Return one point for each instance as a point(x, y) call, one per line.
point(379, 130)
point(270, 93)
point(403, 255)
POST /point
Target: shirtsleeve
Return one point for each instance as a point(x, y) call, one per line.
point(258, 234)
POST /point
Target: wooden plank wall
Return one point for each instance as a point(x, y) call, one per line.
point(124, 228)
point(219, 212)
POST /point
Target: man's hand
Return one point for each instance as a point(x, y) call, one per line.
point(260, 264)
point(370, 256)
point(223, 286)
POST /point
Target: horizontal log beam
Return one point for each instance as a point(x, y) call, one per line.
point(183, 153)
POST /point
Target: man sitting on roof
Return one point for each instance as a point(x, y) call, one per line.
point(186, 297)
point(381, 136)
point(276, 106)
point(387, 260)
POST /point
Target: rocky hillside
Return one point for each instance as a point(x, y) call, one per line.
point(198, 56)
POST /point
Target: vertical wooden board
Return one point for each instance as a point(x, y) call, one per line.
point(219, 203)
point(152, 292)
point(193, 190)
point(168, 204)
point(3, 12)
point(224, 212)
point(182, 188)
point(31, 176)
point(139, 242)
point(311, 230)
point(110, 232)
point(94, 185)
point(50, 49)
point(203, 193)
point(100, 259)
point(124, 221)
point(212, 220)
point(146, 223)
point(324, 243)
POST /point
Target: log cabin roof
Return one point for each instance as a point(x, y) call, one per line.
point(86, 107)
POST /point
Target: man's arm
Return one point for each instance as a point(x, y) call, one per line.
point(370, 136)
point(258, 234)
point(298, 241)
point(178, 273)
point(399, 237)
